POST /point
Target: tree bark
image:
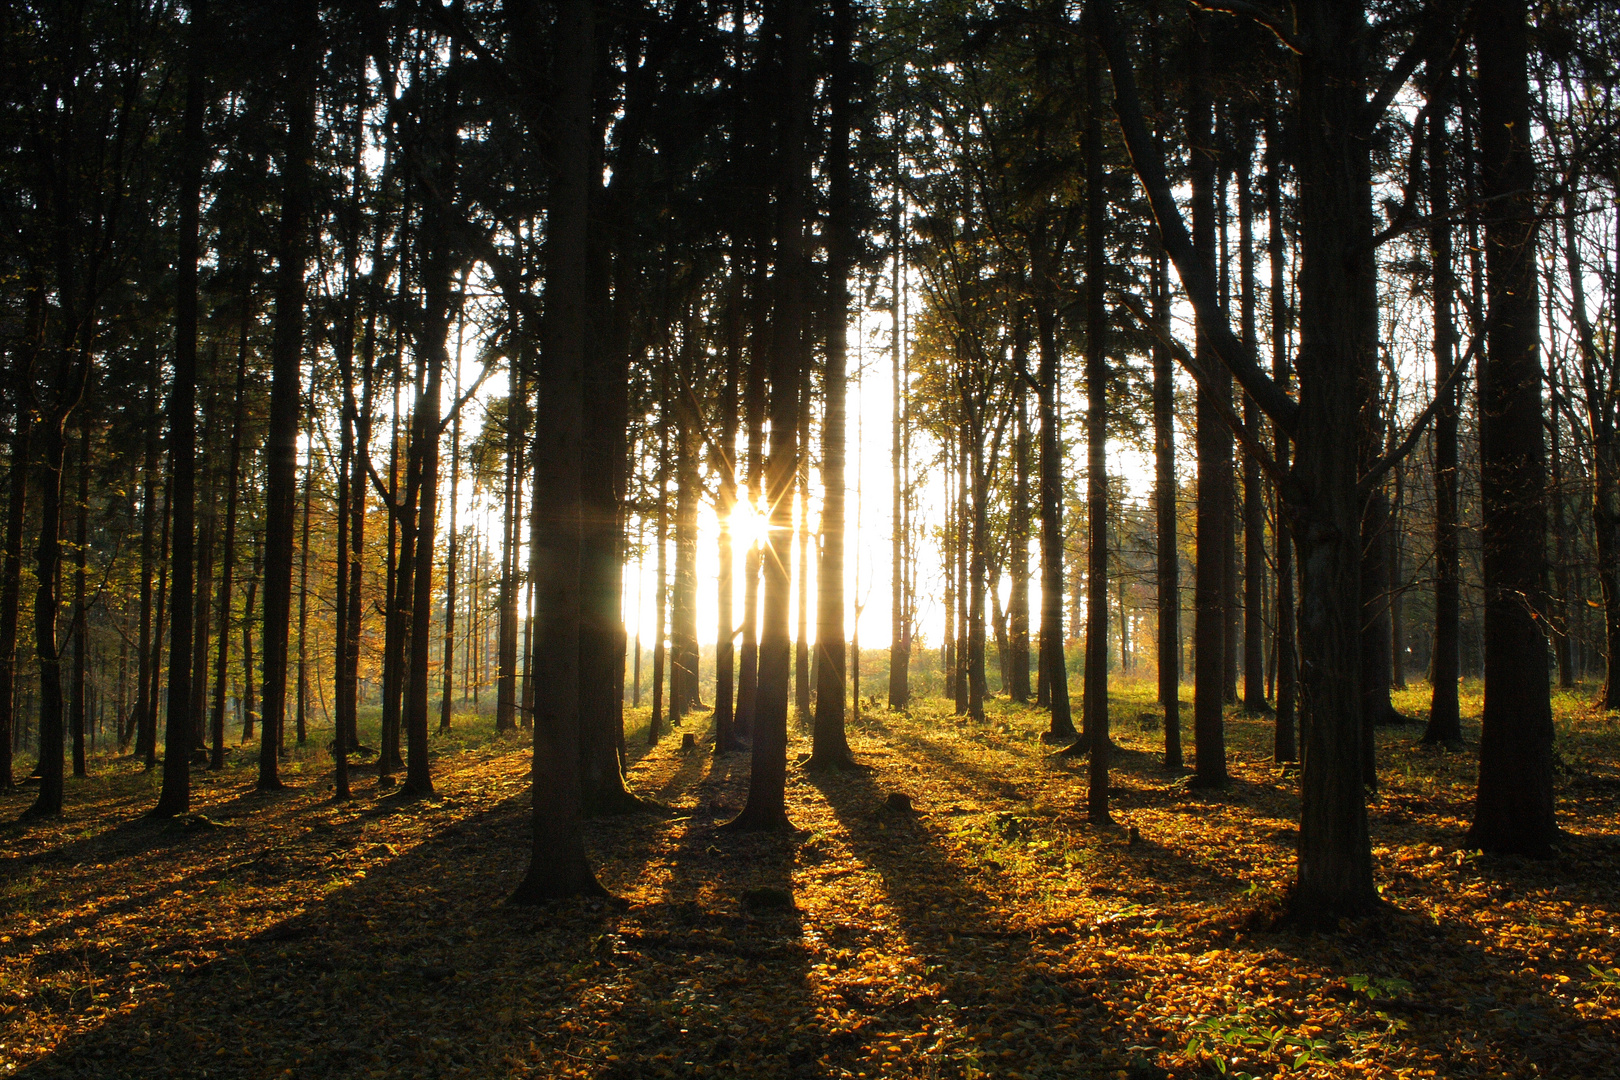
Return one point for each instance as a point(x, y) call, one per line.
point(1214, 450)
point(286, 354)
point(558, 865)
point(175, 797)
point(1513, 810)
point(767, 782)
point(830, 745)
point(1096, 714)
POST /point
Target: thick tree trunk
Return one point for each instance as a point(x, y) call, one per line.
point(830, 746)
point(286, 355)
point(1336, 289)
point(558, 865)
point(1513, 811)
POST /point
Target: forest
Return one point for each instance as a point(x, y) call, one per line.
point(453, 449)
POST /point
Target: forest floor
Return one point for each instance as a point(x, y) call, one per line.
point(988, 932)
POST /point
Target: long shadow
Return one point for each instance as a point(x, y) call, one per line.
point(991, 977)
point(414, 968)
point(720, 940)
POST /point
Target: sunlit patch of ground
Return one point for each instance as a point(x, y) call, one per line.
point(988, 931)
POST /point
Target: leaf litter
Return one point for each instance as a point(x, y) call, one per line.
point(976, 926)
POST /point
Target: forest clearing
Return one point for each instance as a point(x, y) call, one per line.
point(988, 931)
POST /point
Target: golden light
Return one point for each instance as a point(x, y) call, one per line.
point(748, 526)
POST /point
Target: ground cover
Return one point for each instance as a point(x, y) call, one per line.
point(987, 930)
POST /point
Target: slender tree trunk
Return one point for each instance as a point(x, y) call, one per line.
point(175, 797)
point(1284, 745)
point(506, 650)
point(150, 513)
point(303, 611)
point(201, 623)
point(1018, 521)
point(149, 711)
point(683, 601)
point(1055, 671)
point(725, 461)
point(454, 543)
point(77, 713)
point(1513, 811)
point(249, 699)
point(11, 563)
point(1214, 454)
point(662, 595)
point(227, 556)
point(899, 626)
point(767, 783)
point(801, 640)
point(1096, 714)
point(1164, 503)
point(1254, 499)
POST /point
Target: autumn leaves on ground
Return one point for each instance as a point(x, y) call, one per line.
point(987, 930)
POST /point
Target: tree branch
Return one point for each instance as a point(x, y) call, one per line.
point(1197, 277)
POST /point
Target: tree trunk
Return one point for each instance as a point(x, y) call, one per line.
point(660, 654)
point(830, 745)
point(558, 865)
point(286, 354)
point(447, 684)
point(1445, 724)
point(767, 782)
point(899, 623)
point(506, 603)
point(175, 797)
point(1096, 714)
point(1018, 522)
point(1254, 499)
point(725, 461)
point(1284, 746)
point(1513, 811)
point(1214, 453)
point(227, 555)
point(11, 561)
point(79, 714)
point(1054, 669)
point(1164, 505)
point(801, 640)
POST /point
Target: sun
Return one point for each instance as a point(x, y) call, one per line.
point(748, 526)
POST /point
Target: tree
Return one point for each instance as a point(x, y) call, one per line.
point(286, 355)
point(558, 865)
point(1513, 811)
